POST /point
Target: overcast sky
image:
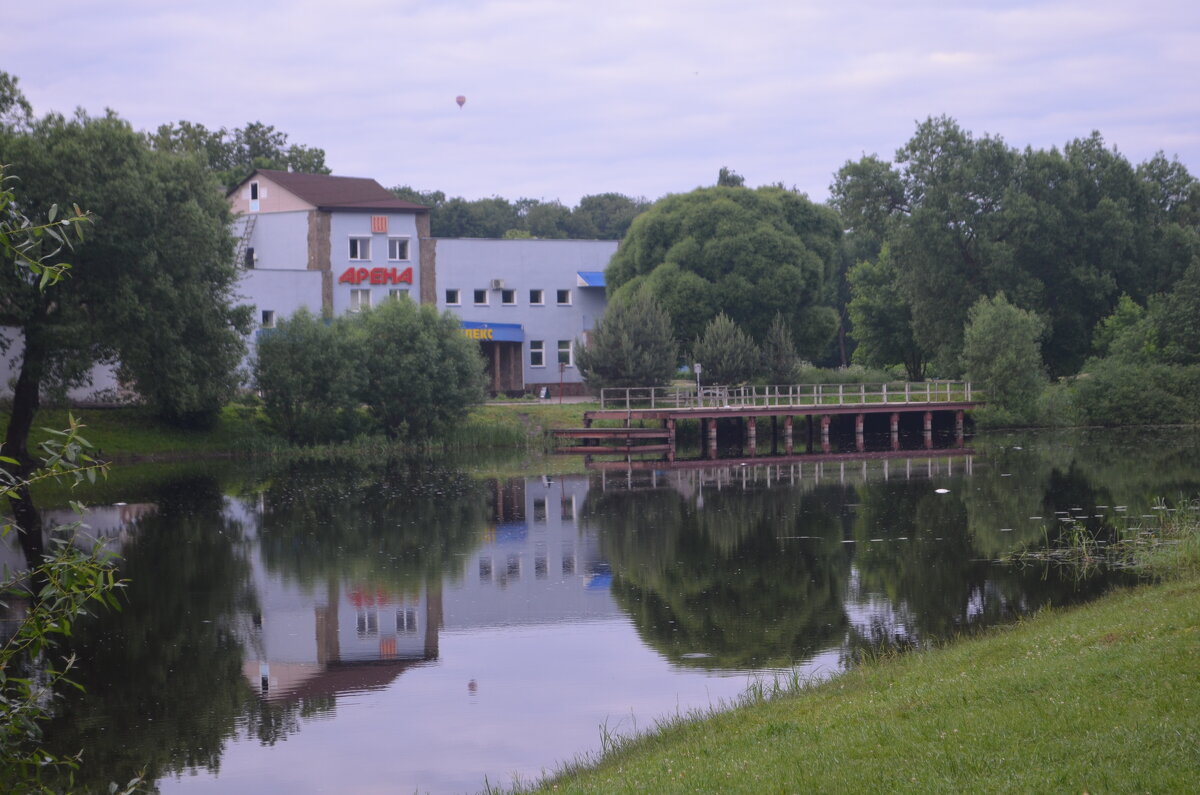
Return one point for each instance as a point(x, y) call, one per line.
point(643, 97)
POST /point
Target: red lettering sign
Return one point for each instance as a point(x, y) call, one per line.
point(376, 276)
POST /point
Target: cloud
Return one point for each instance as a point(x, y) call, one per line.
point(637, 97)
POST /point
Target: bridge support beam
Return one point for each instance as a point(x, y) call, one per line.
point(825, 420)
point(787, 434)
point(895, 424)
point(669, 423)
point(751, 436)
point(712, 437)
point(958, 427)
point(929, 422)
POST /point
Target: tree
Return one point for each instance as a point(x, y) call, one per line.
point(420, 372)
point(15, 110)
point(153, 287)
point(727, 353)
point(1001, 354)
point(631, 346)
point(1062, 233)
point(779, 352)
point(728, 178)
point(883, 319)
point(309, 374)
point(747, 253)
point(605, 216)
point(233, 154)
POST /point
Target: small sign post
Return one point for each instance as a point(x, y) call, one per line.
point(699, 401)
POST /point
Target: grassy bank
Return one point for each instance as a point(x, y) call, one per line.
point(131, 433)
point(1101, 698)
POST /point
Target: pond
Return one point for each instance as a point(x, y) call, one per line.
point(410, 626)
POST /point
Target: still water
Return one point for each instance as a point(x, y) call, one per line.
point(411, 627)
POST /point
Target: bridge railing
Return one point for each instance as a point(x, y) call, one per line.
point(790, 395)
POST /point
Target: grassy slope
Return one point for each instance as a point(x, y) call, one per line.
point(1103, 698)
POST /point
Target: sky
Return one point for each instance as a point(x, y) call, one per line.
point(641, 97)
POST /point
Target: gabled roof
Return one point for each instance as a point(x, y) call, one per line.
point(328, 192)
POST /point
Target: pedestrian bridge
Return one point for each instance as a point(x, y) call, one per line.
point(814, 403)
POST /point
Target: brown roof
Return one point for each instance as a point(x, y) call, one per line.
point(328, 192)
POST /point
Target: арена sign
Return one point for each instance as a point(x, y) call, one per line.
point(376, 276)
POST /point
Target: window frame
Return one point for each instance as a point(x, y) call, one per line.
point(537, 297)
point(558, 296)
point(268, 318)
point(484, 294)
point(357, 295)
point(363, 245)
point(392, 240)
point(508, 297)
point(569, 350)
point(540, 350)
point(457, 296)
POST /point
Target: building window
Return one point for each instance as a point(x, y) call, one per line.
point(250, 258)
point(481, 297)
point(537, 353)
point(508, 297)
point(360, 248)
point(537, 297)
point(360, 300)
point(453, 297)
point(397, 248)
point(564, 297)
point(564, 353)
point(396, 293)
point(268, 318)
point(253, 191)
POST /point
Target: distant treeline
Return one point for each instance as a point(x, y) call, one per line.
point(602, 216)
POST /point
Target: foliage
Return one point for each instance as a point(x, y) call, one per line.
point(1117, 392)
point(1001, 354)
point(882, 320)
point(420, 371)
point(153, 286)
point(745, 253)
point(309, 373)
point(631, 346)
point(779, 359)
point(602, 216)
point(726, 353)
point(411, 368)
point(1062, 232)
point(233, 154)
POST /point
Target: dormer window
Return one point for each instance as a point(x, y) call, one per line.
point(253, 197)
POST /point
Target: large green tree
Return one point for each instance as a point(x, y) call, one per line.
point(1062, 232)
point(632, 345)
point(747, 253)
point(883, 319)
point(151, 290)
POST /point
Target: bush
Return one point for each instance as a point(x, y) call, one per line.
point(1115, 392)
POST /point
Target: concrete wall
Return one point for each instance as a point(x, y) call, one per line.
point(279, 240)
point(271, 198)
point(344, 226)
point(467, 265)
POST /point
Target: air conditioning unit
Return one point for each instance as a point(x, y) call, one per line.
point(497, 284)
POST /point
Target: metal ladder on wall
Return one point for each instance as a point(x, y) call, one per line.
point(244, 242)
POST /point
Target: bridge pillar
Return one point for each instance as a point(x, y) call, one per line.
point(787, 434)
point(858, 423)
point(712, 437)
point(929, 422)
point(895, 430)
point(825, 420)
point(751, 436)
point(958, 426)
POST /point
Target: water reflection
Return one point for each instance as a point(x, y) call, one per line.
point(485, 626)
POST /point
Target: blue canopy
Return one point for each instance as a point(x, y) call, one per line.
point(590, 278)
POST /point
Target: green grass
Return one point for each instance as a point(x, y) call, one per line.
point(1099, 698)
point(132, 433)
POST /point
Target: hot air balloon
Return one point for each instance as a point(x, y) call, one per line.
point(461, 100)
